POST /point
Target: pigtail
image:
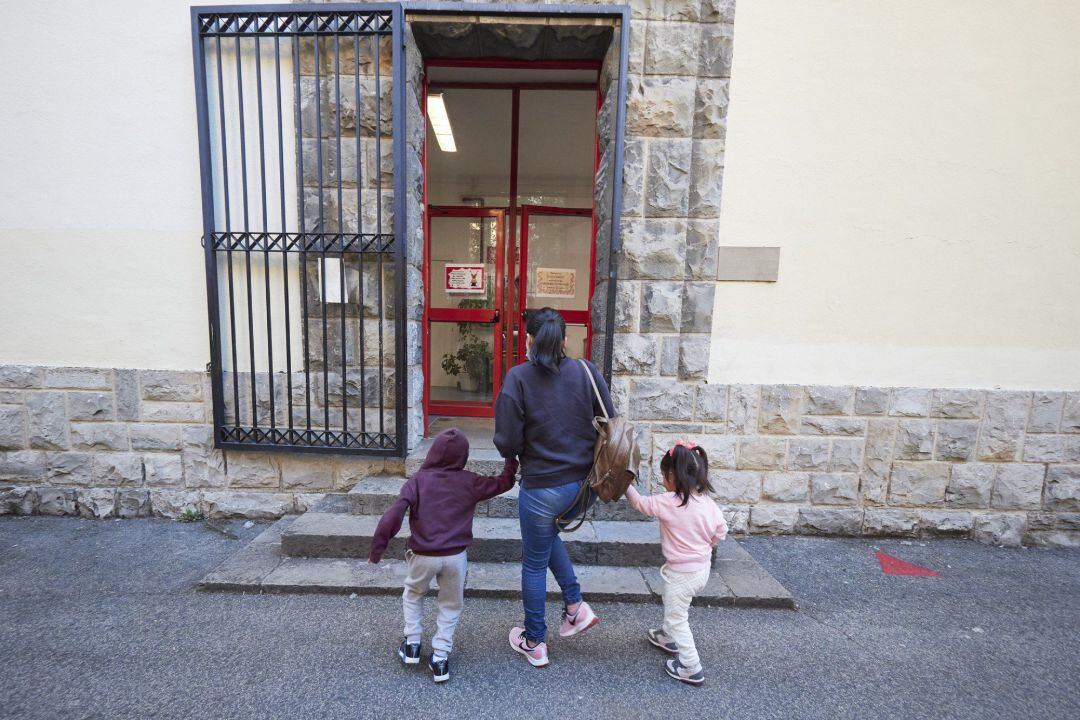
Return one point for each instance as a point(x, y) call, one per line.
point(704, 487)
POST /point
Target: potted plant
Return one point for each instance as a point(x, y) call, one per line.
point(471, 362)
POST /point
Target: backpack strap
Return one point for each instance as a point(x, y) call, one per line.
point(596, 390)
point(565, 521)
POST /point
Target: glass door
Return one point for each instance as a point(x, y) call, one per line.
point(465, 291)
point(556, 271)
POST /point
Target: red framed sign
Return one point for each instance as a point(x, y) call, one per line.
point(464, 279)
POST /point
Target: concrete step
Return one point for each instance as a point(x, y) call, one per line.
point(601, 542)
point(261, 567)
point(373, 496)
point(484, 461)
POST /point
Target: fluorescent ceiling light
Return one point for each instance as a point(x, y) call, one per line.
point(440, 123)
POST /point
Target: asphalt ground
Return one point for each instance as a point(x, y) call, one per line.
point(101, 619)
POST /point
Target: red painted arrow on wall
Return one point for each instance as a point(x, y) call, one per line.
point(895, 566)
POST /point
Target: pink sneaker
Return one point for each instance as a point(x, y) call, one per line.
point(579, 622)
point(537, 656)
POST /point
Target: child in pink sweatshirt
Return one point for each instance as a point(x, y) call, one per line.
point(690, 525)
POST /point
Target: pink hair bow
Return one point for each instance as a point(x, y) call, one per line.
point(688, 444)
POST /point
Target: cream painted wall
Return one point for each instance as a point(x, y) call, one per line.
point(918, 162)
point(100, 213)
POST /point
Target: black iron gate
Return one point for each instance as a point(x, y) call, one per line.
point(299, 127)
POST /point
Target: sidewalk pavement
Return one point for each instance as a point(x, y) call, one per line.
point(100, 619)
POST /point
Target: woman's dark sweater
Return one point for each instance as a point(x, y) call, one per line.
point(545, 420)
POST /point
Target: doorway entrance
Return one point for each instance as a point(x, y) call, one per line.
point(510, 161)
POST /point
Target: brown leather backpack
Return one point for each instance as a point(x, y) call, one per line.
point(615, 460)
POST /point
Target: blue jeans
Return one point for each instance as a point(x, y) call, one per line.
point(541, 549)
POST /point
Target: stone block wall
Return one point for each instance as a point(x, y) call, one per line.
point(997, 466)
point(675, 128)
point(676, 115)
point(99, 442)
point(328, 89)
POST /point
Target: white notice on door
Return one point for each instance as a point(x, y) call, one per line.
point(556, 283)
point(330, 286)
point(465, 279)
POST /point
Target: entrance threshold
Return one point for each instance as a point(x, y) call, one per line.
point(483, 457)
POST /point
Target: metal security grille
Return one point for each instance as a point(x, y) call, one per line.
point(300, 134)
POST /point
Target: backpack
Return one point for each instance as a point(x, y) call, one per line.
point(615, 460)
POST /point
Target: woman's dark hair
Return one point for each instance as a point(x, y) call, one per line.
point(690, 468)
point(548, 330)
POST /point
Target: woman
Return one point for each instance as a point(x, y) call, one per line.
point(543, 416)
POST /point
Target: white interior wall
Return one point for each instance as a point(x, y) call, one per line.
point(918, 163)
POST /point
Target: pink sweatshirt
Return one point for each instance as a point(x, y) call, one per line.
point(687, 534)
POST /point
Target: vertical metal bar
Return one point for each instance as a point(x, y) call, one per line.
point(398, 109)
point(228, 234)
point(344, 304)
point(284, 230)
point(378, 214)
point(516, 303)
point(360, 233)
point(209, 253)
point(616, 192)
point(425, 267)
point(265, 230)
point(589, 331)
point(303, 239)
point(322, 243)
point(247, 237)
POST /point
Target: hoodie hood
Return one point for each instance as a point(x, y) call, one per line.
point(449, 451)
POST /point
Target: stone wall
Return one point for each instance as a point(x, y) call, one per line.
point(997, 466)
point(99, 442)
point(328, 88)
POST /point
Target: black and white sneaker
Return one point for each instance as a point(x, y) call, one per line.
point(660, 639)
point(409, 652)
point(676, 670)
point(440, 668)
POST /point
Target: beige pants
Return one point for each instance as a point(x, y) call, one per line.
point(679, 590)
point(449, 572)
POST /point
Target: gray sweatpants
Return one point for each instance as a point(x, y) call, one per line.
point(449, 572)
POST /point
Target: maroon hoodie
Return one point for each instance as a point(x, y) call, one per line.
point(441, 498)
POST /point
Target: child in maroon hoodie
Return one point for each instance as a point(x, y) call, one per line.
point(441, 499)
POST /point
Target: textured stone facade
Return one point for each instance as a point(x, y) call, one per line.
point(355, 193)
point(106, 443)
point(996, 466)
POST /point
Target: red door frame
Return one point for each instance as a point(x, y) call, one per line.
point(573, 317)
point(511, 211)
point(492, 317)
